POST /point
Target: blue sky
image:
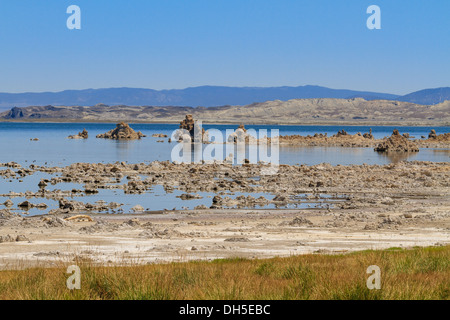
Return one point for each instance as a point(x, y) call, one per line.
point(168, 44)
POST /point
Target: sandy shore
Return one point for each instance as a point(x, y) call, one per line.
point(191, 235)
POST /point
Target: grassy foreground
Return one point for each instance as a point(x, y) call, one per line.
point(420, 273)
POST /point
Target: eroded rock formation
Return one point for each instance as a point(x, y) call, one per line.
point(397, 143)
point(445, 137)
point(239, 135)
point(122, 132)
point(81, 135)
point(14, 113)
point(432, 134)
point(190, 130)
point(368, 135)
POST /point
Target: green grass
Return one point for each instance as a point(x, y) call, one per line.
point(418, 273)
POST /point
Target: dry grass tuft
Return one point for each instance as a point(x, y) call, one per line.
point(419, 273)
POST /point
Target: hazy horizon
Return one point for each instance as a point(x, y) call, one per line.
point(206, 85)
point(199, 86)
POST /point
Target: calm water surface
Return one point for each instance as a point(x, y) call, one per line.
point(54, 149)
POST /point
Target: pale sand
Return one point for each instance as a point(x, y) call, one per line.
point(201, 236)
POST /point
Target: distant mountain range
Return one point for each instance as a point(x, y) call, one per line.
point(427, 96)
point(206, 96)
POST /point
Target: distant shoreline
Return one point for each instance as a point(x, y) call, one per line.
point(264, 123)
point(313, 112)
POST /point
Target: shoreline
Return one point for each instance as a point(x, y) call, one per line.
point(183, 236)
point(373, 207)
point(237, 123)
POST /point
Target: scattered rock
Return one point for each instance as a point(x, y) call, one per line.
point(81, 135)
point(8, 203)
point(26, 205)
point(6, 238)
point(279, 198)
point(201, 207)
point(138, 208)
point(21, 237)
point(188, 196)
point(100, 226)
point(42, 184)
point(122, 132)
point(132, 223)
point(237, 239)
point(432, 134)
point(55, 222)
point(299, 221)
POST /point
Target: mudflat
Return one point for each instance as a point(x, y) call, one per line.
point(321, 208)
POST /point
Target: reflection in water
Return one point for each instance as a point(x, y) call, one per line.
point(232, 153)
point(309, 155)
point(442, 151)
point(395, 157)
point(122, 148)
point(53, 147)
point(348, 156)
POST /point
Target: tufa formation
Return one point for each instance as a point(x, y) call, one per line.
point(122, 132)
point(190, 130)
point(397, 143)
point(81, 135)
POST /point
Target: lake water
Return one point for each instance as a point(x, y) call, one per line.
point(54, 149)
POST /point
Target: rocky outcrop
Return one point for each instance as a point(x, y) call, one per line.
point(445, 137)
point(190, 130)
point(122, 132)
point(13, 238)
point(435, 140)
point(188, 124)
point(240, 135)
point(14, 113)
point(341, 133)
point(81, 135)
point(341, 139)
point(368, 135)
point(432, 134)
point(397, 143)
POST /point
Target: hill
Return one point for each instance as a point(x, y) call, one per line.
point(427, 96)
point(297, 111)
